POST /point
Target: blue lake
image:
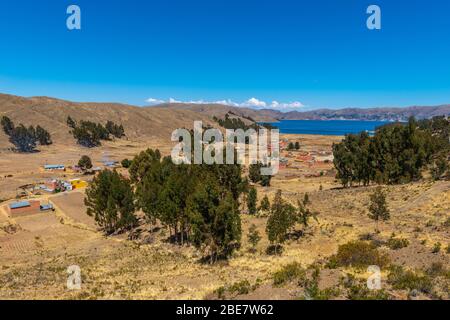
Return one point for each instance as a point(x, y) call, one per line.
point(327, 127)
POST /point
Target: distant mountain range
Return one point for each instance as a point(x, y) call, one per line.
point(158, 122)
point(372, 114)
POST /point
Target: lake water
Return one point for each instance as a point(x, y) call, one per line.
point(327, 127)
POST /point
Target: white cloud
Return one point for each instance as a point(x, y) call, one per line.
point(153, 101)
point(256, 103)
point(253, 103)
point(286, 106)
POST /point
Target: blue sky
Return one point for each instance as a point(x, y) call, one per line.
point(317, 52)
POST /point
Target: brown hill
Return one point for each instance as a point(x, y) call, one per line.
point(139, 123)
point(269, 115)
point(396, 114)
point(220, 110)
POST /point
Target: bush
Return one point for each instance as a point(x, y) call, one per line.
point(436, 248)
point(313, 292)
point(238, 288)
point(436, 269)
point(402, 279)
point(397, 243)
point(242, 287)
point(358, 290)
point(358, 254)
point(288, 273)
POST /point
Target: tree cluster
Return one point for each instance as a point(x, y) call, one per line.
point(395, 154)
point(293, 146)
point(198, 204)
point(90, 134)
point(110, 200)
point(235, 123)
point(25, 139)
point(255, 175)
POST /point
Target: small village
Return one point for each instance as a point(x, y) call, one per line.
point(34, 198)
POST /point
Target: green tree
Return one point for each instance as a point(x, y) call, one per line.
point(126, 163)
point(23, 139)
point(253, 237)
point(142, 163)
point(281, 219)
point(43, 136)
point(265, 204)
point(216, 225)
point(254, 173)
point(265, 180)
point(110, 200)
point(251, 201)
point(85, 163)
point(291, 146)
point(378, 209)
point(7, 125)
point(304, 213)
point(71, 123)
point(440, 166)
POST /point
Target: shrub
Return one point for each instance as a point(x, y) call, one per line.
point(313, 292)
point(397, 243)
point(288, 273)
point(436, 269)
point(402, 279)
point(361, 292)
point(238, 288)
point(447, 223)
point(436, 248)
point(359, 254)
point(242, 287)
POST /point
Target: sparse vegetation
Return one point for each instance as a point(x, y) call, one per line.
point(397, 243)
point(288, 273)
point(403, 279)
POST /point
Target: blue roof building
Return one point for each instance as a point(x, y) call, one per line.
point(18, 205)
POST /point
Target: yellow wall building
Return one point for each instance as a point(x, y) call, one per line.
point(77, 184)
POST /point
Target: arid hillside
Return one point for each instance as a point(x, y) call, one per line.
point(220, 110)
point(51, 114)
